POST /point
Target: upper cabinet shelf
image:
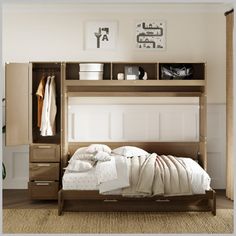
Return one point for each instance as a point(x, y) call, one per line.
point(134, 77)
point(135, 83)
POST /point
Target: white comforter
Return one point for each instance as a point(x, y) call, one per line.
point(152, 175)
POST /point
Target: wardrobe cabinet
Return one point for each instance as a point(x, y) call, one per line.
point(22, 125)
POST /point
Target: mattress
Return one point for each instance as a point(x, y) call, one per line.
point(200, 180)
point(80, 181)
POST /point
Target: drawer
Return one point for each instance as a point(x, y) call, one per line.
point(44, 153)
point(44, 171)
point(43, 190)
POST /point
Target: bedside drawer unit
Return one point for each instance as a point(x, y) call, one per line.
point(44, 171)
point(43, 190)
point(44, 153)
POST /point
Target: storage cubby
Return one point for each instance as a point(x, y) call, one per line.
point(41, 70)
point(181, 71)
point(73, 69)
point(149, 68)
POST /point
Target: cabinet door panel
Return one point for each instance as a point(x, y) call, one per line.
point(17, 103)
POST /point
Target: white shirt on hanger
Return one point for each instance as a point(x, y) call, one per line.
point(48, 124)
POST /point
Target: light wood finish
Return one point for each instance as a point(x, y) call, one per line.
point(64, 143)
point(44, 171)
point(17, 104)
point(43, 190)
point(179, 83)
point(202, 131)
point(44, 153)
point(229, 106)
point(134, 94)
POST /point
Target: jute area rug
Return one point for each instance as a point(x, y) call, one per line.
point(47, 221)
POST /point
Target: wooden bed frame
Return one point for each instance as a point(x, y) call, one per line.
point(93, 201)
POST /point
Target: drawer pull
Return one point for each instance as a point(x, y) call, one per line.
point(42, 184)
point(45, 146)
point(43, 165)
point(162, 200)
point(110, 200)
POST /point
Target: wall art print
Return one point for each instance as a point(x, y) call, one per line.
point(101, 34)
point(150, 34)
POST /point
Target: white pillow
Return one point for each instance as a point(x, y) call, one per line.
point(81, 154)
point(129, 151)
point(98, 147)
point(101, 156)
point(79, 166)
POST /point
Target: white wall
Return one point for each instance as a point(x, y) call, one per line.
point(55, 33)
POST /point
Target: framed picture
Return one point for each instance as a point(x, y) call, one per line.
point(101, 34)
point(150, 34)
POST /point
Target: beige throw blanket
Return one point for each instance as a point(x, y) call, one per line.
point(158, 175)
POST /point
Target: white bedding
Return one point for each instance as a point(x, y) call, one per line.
point(200, 180)
point(80, 181)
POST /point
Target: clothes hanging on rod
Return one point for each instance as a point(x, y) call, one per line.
point(49, 108)
point(40, 97)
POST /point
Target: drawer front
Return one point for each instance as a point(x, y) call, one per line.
point(43, 190)
point(44, 171)
point(44, 153)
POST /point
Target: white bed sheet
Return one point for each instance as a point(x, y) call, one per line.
point(80, 181)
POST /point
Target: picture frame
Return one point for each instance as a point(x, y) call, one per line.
point(100, 35)
point(150, 34)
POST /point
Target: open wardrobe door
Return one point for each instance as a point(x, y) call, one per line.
point(18, 103)
point(229, 103)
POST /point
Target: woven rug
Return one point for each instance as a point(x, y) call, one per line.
point(47, 221)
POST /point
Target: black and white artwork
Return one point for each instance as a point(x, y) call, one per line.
point(151, 35)
point(100, 34)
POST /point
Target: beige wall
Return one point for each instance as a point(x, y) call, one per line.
point(34, 33)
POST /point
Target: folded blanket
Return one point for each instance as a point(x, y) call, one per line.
point(106, 170)
point(122, 179)
point(163, 175)
point(134, 166)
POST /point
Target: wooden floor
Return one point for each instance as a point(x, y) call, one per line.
point(20, 199)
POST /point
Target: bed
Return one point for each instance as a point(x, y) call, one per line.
point(83, 187)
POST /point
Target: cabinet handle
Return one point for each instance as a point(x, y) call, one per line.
point(43, 164)
point(45, 146)
point(162, 200)
point(42, 184)
point(110, 200)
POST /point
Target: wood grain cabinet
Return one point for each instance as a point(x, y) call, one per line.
point(44, 171)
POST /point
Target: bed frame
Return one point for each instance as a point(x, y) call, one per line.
point(93, 201)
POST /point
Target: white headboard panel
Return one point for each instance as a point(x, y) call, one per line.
point(121, 119)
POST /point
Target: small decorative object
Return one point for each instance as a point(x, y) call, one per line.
point(120, 76)
point(91, 71)
point(131, 72)
point(176, 72)
point(141, 72)
point(151, 35)
point(145, 77)
point(100, 34)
